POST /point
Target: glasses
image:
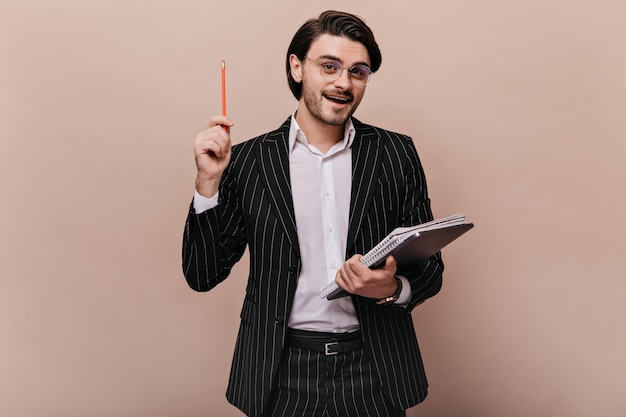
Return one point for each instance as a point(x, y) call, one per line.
point(331, 70)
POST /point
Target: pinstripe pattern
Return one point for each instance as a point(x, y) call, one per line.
point(311, 384)
point(388, 190)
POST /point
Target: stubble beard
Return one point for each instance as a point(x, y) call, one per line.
point(333, 117)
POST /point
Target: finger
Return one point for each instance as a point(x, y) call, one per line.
point(390, 263)
point(355, 267)
point(215, 147)
point(352, 275)
point(215, 133)
point(221, 121)
point(215, 140)
point(343, 281)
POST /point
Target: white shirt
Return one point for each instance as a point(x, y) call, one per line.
point(321, 187)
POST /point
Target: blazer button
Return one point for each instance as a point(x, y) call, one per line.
point(280, 320)
point(293, 270)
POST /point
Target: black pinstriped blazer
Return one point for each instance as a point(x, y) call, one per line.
point(256, 209)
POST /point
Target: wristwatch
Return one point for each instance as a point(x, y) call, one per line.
point(392, 298)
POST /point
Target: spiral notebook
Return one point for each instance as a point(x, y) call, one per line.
point(409, 246)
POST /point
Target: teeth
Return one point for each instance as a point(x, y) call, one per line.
point(344, 99)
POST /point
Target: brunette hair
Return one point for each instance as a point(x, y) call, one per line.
point(333, 23)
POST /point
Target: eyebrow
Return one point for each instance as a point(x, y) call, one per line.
point(334, 58)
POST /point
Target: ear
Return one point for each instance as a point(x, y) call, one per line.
point(296, 67)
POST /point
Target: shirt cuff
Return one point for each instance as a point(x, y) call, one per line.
point(405, 294)
point(202, 203)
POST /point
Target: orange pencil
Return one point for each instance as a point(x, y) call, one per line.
point(223, 88)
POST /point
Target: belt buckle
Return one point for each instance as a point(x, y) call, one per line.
point(327, 347)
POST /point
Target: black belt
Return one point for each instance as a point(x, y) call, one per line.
point(326, 343)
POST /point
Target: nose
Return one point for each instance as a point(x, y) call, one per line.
point(344, 81)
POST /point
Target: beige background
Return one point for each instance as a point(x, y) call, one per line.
point(517, 110)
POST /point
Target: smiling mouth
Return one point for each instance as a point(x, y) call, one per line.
point(338, 98)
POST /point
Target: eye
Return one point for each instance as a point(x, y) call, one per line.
point(330, 67)
point(360, 72)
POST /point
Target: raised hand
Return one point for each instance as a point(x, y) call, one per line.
point(212, 150)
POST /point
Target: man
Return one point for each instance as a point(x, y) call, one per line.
point(320, 189)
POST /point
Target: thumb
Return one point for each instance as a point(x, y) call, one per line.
point(390, 263)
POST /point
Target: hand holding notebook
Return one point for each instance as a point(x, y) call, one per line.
point(409, 246)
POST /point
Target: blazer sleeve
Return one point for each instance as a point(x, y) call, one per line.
point(214, 240)
point(426, 278)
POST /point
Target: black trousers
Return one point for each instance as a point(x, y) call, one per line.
point(313, 384)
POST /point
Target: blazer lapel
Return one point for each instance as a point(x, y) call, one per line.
point(365, 167)
point(273, 159)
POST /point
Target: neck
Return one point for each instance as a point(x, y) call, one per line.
point(318, 133)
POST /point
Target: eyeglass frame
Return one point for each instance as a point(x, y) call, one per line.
point(339, 68)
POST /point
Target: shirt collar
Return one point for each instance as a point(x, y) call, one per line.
point(295, 133)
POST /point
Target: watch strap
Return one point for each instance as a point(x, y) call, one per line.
point(392, 298)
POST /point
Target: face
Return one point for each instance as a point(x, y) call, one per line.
point(329, 102)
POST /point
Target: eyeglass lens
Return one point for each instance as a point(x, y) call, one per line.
point(331, 70)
